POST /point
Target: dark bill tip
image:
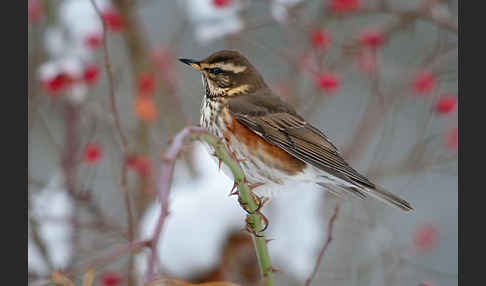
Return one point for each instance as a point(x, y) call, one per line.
point(189, 62)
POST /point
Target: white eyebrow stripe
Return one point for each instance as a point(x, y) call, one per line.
point(229, 67)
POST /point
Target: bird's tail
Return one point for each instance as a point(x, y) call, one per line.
point(389, 198)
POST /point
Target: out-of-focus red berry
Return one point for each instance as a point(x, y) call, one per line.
point(320, 39)
point(424, 82)
point(139, 164)
point(91, 153)
point(452, 138)
point(146, 84)
point(92, 41)
point(343, 6)
point(110, 279)
point(145, 108)
point(328, 82)
point(113, 20)
point(371, 39)
point(91, 74)
point(221, 3)
point(55, 85)
point(35, 10)
point(446, 104)
point(425, 237)
point(427, 283)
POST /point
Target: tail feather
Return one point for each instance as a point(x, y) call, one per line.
point(389, 198)
point(363, 192)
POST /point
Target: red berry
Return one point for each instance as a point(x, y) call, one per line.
point(57, 84)
point(343, 6)
point(426, 237)
point(35, 10)
point(113, 20)
point(92, 153)
point(146, 84)
point(139, 164)
point(371, 39)
point(221, 3)
point(92, 41)
point(320, 39)
point(328, 82)
point(446, 104)
point(91, 74)
point(110, 279)
point(424, 82)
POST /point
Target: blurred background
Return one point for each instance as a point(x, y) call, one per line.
point(378, 76)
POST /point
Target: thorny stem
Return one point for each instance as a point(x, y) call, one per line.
point(246, 198)
point(324, 247)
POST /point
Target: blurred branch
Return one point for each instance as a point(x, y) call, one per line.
point(167, 170)
point(109, 257)
point(324, 247)
point(109, 72)
point(422, 12)
point(36, 237)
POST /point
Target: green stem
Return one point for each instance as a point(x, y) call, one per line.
point(246, 198)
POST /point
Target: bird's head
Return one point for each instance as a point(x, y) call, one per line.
point(227, 74)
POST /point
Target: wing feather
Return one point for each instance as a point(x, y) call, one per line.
point(279, 124)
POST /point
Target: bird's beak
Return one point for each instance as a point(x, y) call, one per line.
point(192, 63)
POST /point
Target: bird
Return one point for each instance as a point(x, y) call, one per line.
point(273, 143)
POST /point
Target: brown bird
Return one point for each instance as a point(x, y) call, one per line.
point(276, 144)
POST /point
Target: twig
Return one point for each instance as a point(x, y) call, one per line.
point(167, 170)
point(109, 72)
point(324, 247)
point(129, 247)
point(114, 110)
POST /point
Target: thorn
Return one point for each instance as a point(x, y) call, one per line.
point(269, 240)
point(265, 201)
point(220, 161)
point(233, 192)
point(265, 221)
point(254, 186)
point(274, 270)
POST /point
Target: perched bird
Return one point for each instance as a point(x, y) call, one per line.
point(275, 143)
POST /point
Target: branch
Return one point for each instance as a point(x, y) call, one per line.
point(245, 197)
point(324, 247)
point(109, 72)
point(126, 248)
point(167, 170)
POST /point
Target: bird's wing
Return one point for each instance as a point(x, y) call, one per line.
point(279, 124)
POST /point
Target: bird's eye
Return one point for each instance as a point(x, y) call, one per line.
point(215, 70)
